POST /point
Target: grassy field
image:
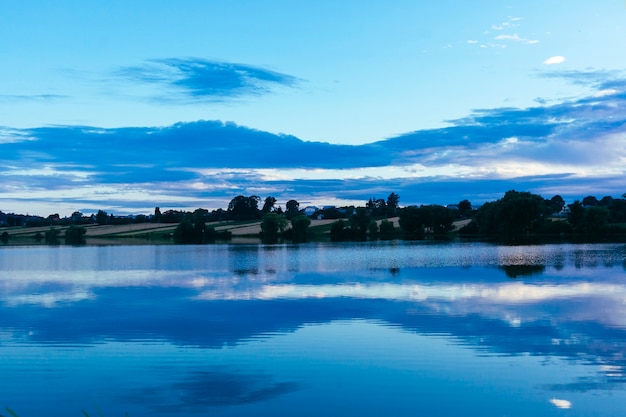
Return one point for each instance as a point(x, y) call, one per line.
point(242, 231)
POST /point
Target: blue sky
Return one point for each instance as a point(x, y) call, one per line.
point(124, 106)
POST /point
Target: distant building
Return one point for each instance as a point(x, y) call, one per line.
point(310, 210)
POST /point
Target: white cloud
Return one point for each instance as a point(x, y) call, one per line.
point(553, 60)
point(607, 92)
point(516, 38)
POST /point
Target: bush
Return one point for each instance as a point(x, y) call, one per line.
point(75, 235)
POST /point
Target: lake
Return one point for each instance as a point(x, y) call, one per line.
point(364, 329)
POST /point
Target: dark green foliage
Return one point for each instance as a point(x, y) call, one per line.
point(173, 216)
point(338, 231)
point(392, 204)
point(244, 208)
point(465, 209)
point(186, 233)
point(157, 215)
point(412, 222)
point(102, 217)
point(358, 224)
point(52, 236)
point(595, 220)
point(11, 412)
point(515, 214)
point(554, 227)
point(4, 237)
point(372, 229)
point(590, 201)
point(386, 230)
point(554, 205)
point(75, 235)
point(268, 206)
point(292, 209)
point(193, 230)
point(330, 213)
point(576, 214)
point(377, 208)
point(299, 226)
point(439, 219)
point(272, 225)
point(211, 235)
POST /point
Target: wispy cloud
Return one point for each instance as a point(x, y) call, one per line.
point(554, 60)
point(507, 24)
point(516, 38)
point(205, 79)
point(501, 40)
point(34, 97)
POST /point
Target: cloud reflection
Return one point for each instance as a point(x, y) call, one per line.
point(558, 403)
point(211, 388)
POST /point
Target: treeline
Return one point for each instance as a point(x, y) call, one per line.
point(524, 213)
point(515, 214)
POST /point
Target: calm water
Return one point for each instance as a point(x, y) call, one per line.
point(402, 329)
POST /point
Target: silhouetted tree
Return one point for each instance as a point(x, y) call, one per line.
point(377, 207)
point(102, 217)
point(292, 209)
point(338, 231)
point(330, 213)
point(412, 222)
point(358, 224)
point(465, 209)
point(386, 230)
point(555, 204)
point(590, 201)
point(52, 236)
point(392, 204)
point(157, 215)
point(576, 215)
point(269, 204)
point(244, 208)
point(514, 214)
point(185, 232)
point(271, 226)
point(75, 235)
point(372, 229)
point(299, 226)
point(595, 220)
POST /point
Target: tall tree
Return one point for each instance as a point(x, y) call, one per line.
point(465, 209)
point(102, 217)
point(292, 209)
point(392, 204)
point(271, 226)
point(269, 204)
point(299, 226)
point(244, 208)
point(514, 214)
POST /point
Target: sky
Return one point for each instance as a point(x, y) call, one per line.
point(125, 106)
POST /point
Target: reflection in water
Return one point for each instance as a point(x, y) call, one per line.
point(209, 305)
point(516, 271)
point(209, 388)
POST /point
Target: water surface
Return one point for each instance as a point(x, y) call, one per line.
point(402, 328)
